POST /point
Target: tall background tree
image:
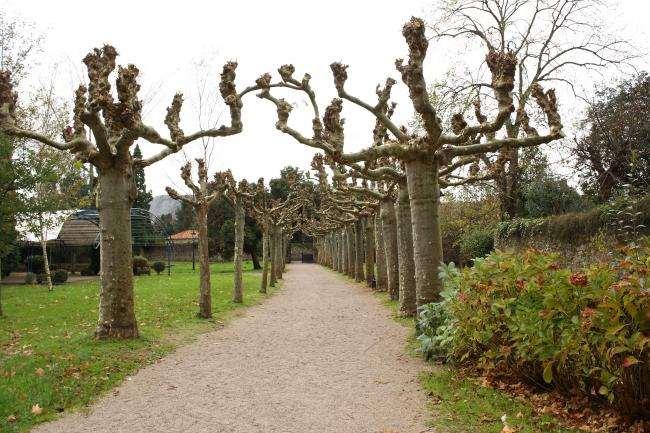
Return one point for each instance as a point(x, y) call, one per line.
point(18, 45)
point(614, 149)
point(552, 41)
point(56, 179)
point(144, 197)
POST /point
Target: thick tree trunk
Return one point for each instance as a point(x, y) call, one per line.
point(116, 300)
point(265, 260)
point(424, 196)
point(389, 228)
point(358, 251)
point(205, 287)
point(277, 253)
point(350, 249)
point(272, 257)
point(1, 312)
point(508, 181)
point(407, 303)
point(238, 286)
point(380, 256)
point(256, 260)
point(341, 251)
point(369, 238)
point(46, 260)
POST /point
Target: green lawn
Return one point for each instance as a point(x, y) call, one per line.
point(53, 331)
point(460, 404)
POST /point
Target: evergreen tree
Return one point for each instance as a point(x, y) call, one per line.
point(144, 197)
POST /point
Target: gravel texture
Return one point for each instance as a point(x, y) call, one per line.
point(320, 356)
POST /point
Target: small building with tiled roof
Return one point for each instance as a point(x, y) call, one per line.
point(185, 237)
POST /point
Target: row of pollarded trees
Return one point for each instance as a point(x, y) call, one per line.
point(277, 218)
point(102, 132)
point(404, 170)
point(423, 161)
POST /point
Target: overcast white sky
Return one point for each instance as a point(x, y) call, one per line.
point(165, 39)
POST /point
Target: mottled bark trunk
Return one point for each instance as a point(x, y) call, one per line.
point(424, 196)
point(277, 251)
point(342, 252)
point(389, 229)
point(369, 246)
point(1, 312)
point(116, 300)
point(238, 286)
point(272, 257)
point(255, 259)
point(46, 260)
point(380, 256)
point(285, 252)
point(508, 180)
point(205, 287)
point(407, 302)
point(358, 251)
point(265, 261)
point(349, 235)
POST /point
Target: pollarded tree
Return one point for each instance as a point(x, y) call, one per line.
point(423, 153)
point(267, 212)
point(237, 195)
point(200, 201)
point(115, 128)
point(552, 41)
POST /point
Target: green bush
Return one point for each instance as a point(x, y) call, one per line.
point(571, 227)
point(523, 315)
point(30, 278)
point(551, 196)
point(158, 267)
point(141, 266)
point(477, 242)
point(59, 276)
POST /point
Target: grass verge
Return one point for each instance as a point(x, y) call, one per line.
point(49, 358)
point(461, 404)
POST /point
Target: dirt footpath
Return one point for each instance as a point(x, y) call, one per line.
point(322, 356)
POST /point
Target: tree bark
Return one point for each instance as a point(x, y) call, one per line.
point(407, 302)
point(256, 260)
point(116, 300)
point(424, 196)
point(46, 260)
point(1, 312)
point(358, 251)
point(389, 228)
point(349, 230)
point(380, 256)
point(265, 260)
point(369, 238)
point(272, 256)
point(205, 287)
point(278, 251)
point(340, 250)
point(238, 287)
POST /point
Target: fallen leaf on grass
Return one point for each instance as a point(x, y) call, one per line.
point(507, 429)
point(37, 410)
point(40, 372)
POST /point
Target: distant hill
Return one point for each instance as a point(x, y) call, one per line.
point(163, 205)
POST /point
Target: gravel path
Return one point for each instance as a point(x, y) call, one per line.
point(321, 356)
